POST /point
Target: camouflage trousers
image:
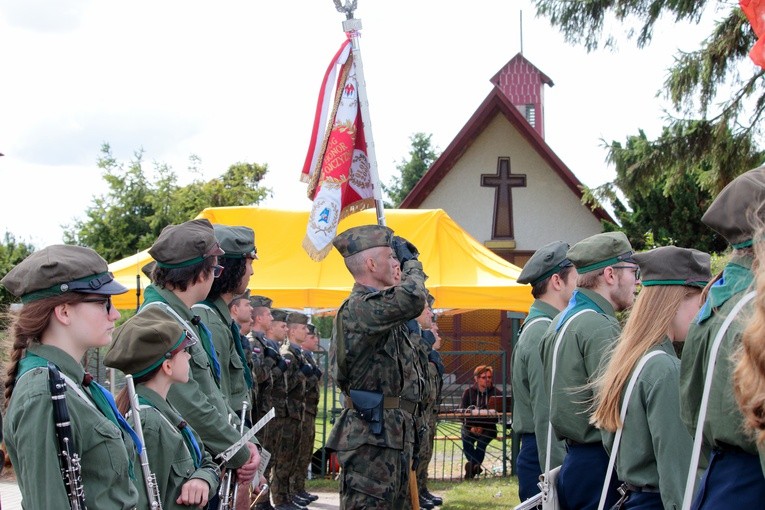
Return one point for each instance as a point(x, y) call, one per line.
point(426, 448)
point(305, 453)
point(375, 477)
point(288, 430)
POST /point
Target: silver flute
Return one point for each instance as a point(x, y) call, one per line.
point(229, 489)
point(149, 478)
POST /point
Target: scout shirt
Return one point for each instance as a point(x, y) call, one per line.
point(233, 384)
point(655, 449)
point(378, 357)
point(170, 454)
point(587, 340)
point(295, 380)
point(200, 400)
point(724, 421)
point(531, 400)
point(30, 438)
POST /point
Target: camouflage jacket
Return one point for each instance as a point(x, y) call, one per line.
point(312, 385)
point(371, 351)
point(295, 380)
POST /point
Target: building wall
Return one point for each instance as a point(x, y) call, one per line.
point(545, 210)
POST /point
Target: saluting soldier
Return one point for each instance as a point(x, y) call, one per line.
point(553, 279)
point(155, 352)
point(607, 280)
point(66, 294)
point(734, 478)
point(373, 363)
point(655, 447)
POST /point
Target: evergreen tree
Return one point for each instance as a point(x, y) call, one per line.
point(421, 156)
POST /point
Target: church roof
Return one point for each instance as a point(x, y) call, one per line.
point(496, 103)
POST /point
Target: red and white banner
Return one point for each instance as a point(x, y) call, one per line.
point(336, 168)
point(755, 13)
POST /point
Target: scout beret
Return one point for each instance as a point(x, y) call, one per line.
point(61, 268)
point(148, 268)
point(185, 244)
point(358, 239)
point(546, 261)
point(739, 208)
point(260, 301)
point(670, 265)
point(279, 315)
point(144, 341)
point(238, 242)
point(311, 329)
point(297, 318)
point(599, 251)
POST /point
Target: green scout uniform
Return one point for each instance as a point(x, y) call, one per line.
point(655, 448)
point(172, 459)
point(307, 426)
point(105, 453)
point(233, 384)
point(588, 338)
point(531, 399)
point(200, 400)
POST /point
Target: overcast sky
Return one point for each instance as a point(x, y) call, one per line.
point(238, 81)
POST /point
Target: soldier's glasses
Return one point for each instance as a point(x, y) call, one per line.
point(217, 270)
point(634, 268)
point(106, 302)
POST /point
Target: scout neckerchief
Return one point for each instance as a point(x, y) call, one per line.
point(578, 302)
point(735, 279)
point(240, 351)
point(186, 431)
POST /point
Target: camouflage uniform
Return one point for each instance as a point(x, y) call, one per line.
point(308, 425)
point(278, 400)
point(435, 382)
point(426, 402)
point(377, 356)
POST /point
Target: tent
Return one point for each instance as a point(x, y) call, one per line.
point(462, 273)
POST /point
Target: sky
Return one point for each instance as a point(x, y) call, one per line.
point(238, 81)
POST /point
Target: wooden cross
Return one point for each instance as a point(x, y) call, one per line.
point(503, 197)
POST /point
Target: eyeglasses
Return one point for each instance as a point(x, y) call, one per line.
point(634, 268)
point(217, 270)
point(106, 302)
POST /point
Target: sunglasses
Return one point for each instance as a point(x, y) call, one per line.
point(106, 302)
point(633, 268)
point(217, 271)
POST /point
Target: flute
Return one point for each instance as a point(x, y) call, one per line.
point(69, 460)
point(149, 478)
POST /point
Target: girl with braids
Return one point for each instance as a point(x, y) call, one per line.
point(153, 348)
point(66, 295)
point(654, 454)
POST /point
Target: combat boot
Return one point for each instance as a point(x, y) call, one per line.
point(307, 495)
point(437, 500)
point(426, 503)
point(300, 501)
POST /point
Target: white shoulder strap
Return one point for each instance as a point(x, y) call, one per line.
point(169, 310)
point(705, 396)
point(552, 382)
point(203, 306)
point(622, 415)
point(527, 325)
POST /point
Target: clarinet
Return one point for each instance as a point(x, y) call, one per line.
point(149, 478)
point(68, 458)
point(229, 488)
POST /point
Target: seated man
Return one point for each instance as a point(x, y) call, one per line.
point(478, 431)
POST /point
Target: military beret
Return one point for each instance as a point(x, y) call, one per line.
point(61, 268)
point(297, 318)
point(431, 300)
point(279, 315)
point(260, 301)
point(144, 341)
point(244, 295)
point(545, 262)
point(739, 208)
point(599, 251)
point(238, 242)
point(358, 239)
point(148, 268)
point(311, 329)
point(670, 265)
point(186, 244)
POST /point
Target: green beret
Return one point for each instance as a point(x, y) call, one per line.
point(599, 251)
point(61, 268)
point(546, 261)
point(297, 318)
point(358, 239)
point(260, 301)
point(144, 341)
point(311, 329)
point(279, 315)
point(670, 265)
point(739, 208)
point(238, 242)
point(186, 244)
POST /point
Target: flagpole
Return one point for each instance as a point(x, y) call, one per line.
point(352, 26)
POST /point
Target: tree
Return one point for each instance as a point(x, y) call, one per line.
point(134, 211)
point(719, 102)
point(11, 253)
point(421, 156)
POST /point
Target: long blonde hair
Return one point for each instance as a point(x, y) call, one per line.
point(649, 322)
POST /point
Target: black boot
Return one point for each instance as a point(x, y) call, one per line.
point(437, 500)
point(426, 503)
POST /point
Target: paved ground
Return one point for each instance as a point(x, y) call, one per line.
point(11, 497)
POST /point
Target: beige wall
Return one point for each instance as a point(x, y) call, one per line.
point(545, 210)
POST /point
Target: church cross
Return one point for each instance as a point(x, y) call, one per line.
point(503, 197)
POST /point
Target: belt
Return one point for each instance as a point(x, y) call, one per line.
point(636, 488)
point(390, 403)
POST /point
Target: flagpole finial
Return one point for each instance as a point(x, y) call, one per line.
point(348, 8)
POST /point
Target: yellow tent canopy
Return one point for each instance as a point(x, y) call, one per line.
point(463, 274)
